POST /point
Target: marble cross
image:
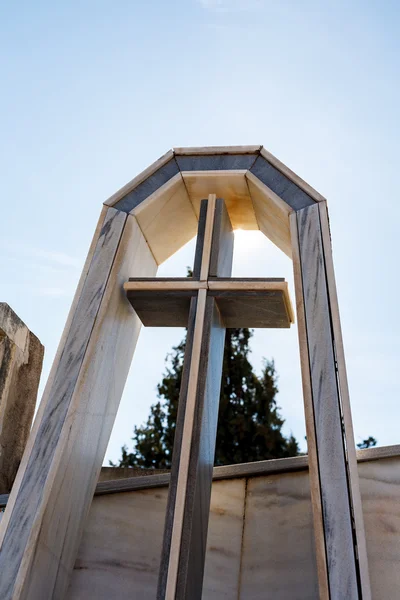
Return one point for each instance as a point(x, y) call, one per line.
point(206, 303)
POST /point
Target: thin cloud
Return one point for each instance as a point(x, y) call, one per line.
point(48, 256)
point(47, 291)
point(229, 6)
point(59, 258)
point(53, 292)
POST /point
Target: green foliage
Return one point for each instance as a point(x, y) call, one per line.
point(368, 443)
point(249, 424)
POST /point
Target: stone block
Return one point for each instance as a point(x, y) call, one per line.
point(21, 358)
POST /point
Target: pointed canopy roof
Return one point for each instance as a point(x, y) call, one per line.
point(260, 192)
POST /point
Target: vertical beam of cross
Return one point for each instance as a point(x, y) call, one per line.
point(185, 534)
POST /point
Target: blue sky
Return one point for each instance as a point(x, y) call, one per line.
point(93, 92)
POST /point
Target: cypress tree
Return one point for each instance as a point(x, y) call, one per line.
point(249, 423)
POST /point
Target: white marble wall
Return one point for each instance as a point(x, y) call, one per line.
point(260, 542)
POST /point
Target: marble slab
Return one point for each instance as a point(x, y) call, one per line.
point(120, 551)
point(222, 569)
point(380, 494)
point(278, 543)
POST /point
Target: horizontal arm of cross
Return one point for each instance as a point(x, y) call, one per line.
point(162, 302)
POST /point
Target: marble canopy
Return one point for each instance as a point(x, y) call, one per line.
point(139, 227)
point(259, 191)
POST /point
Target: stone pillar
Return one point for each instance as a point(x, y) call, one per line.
point(21, 357)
